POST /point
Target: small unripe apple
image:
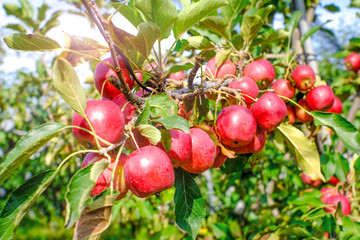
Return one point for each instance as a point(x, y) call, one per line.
point(334, 200)
point(283, 87)
point(256, 145)
point(352, 61)
point(269, 111)
point(337, 107)
point(328, 192)
point(307, 180)
point(247, 86)
point(320, 98)
point(107, 120)
point(301, 115)
point(304, 77)
point(236, 126)
point(203, 152)
point(227, 68)
point(261, 71)
point(177, 76)
point(148, 170)
point(333, 181)
point(180, 150)
point(291, 114)
point(104, 180)
point(103, 72)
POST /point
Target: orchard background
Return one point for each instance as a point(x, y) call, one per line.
point(45, 194)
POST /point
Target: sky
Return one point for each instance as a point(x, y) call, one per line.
point(339, 20)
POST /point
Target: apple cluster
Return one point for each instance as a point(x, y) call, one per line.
point(241, 126)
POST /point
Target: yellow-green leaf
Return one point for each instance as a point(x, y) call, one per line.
point(305, 151)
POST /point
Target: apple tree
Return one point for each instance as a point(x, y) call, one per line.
point(215, 131)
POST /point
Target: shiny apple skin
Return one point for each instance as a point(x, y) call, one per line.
point(106, 119)
point(334, 200)
point(148, 170)
point(301, 115)
point(304, 77)
point(236, 126)
point(203, 152)
point(261, 71)
point(256, 145)
point(320, 98)
point(284, 88)
point(337, 107)
point(352, 62)
point(227, 68)
point(269, 111)
point(247, 86)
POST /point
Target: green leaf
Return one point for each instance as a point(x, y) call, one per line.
point(166, 139)
point(201, 110)
point(31, 42)
point(193, 13)
point(189, 204)
point(79, 189)
point(174, 122)
point(355, 41)
point(52, 22)
point(332, 8)
point(293, 22)
point(27, 146)
point(180, 45)
point(311, 32)
point(305, 151)
point(217, 25)
point(16, 27)
point(144, 116)
point(122, 41)
point(27, 9)
point(12, 9)
point(21, 200)
point(328, 166)
point(178, 68)
point(148, 33)
point(250, 27)
point(275, 37)
point(199, 43)
point(42, 12)
point(130, 13)
point(161, 12)
point(340, 54)
point(67, 83)
point(347, 132)
point(342, 167)
point(230, 12)
point(150, 132)
point(162, 106)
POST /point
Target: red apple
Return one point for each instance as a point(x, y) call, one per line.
point(247, 86)
point(182, 113)
point(328, 192)
point(107, 120)
point(301, 115)
point(304, 77)
point(236, 126)
point(333, 181)
point(334, 200)
point(337, 107)
point(320, 98)
point(269, 111)
point(104, 179)
point(103, 72)
point(141, 141)
point(352, 61)
point(147, 171)
point(177, 76)
point(219, 160)
point(261, 71)
point(129, 109)
point(180, 150)
point(227, 68)
point(307, 180)
point(291, 114)
point(256, 145)
point(283, 87)
point(203, 152)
